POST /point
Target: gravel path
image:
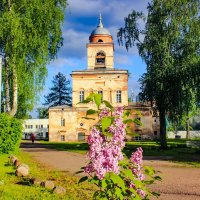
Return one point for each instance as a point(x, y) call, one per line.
point(178, 182)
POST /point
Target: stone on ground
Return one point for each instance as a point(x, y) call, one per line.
point(48, 184)
point(17, 163)
point(59, 190)
point(35, 181)
point(22, 171)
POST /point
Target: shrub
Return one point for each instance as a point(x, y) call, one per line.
point(115, 176)
point(10, 133)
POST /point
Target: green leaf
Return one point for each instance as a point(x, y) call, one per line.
point(128, 173)
point(104, 184)
point(137, 121)
point(78, 172)
point(137, 197)
point(84, 178)
point(118, 192)
point(108, 104)
point(118, 180)
point(89, 118)
point(126, 121)
point(158, 178)
point(126, 113)
point(106, 122)
point(98, 99)
point(149, 170)
point(155, 194)
point(91, 112)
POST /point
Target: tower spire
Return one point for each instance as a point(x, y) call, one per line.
point(100, 21)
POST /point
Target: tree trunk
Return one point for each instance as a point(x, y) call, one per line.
point(15, 89)
point(7, 87)
point(187, 128)
point(163, 136)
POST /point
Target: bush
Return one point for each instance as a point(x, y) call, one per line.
point(10, 133)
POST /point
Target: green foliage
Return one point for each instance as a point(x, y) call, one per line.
point(30, 37)
point(169, 44)
point(60, 94)
point(10, 133)
point(42, 113)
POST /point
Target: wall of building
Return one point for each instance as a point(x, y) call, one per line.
point(39, 127)
point(73, 126)
point(108, 83)
point(75, 123)
point(182, 134)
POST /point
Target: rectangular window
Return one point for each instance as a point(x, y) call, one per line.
point(119, 96)
point(26, 126)
point(62, 122)
point(101, 92)
point(81, 96)
point(41, 126)
point(36, 126)
point(62, 137)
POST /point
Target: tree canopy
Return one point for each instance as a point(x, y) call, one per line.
point(60, 92)
point(30, 36)
point(170, 46)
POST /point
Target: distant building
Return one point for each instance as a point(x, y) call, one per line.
point(39, 127)
point(67, 123)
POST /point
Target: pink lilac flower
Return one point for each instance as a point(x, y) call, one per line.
point(142, 193)
point(104, 113)
point(136, 159)
point(104, 153)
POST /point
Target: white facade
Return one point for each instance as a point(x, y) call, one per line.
point(39, 127)
point(182, 134)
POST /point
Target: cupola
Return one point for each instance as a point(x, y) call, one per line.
point(100, 34)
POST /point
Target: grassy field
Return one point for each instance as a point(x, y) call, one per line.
point(176, 152)
point(15, 188)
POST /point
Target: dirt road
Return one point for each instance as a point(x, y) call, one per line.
point(178, 182)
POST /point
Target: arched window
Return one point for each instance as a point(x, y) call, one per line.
point(100, 40)
point(119, 96)
point(81, 136)
point(81, 95)
point(100, 58)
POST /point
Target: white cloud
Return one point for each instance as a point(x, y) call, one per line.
point(85, 7)
point(74, 44)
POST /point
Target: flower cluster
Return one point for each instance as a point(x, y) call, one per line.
point(136, 159)
point(105, 112)
point(105, 152)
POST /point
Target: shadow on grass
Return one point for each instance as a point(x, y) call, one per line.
point(177, 150)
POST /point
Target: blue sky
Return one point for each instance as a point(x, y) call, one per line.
point(81, 18)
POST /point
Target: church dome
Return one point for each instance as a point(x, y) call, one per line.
point(100, 33)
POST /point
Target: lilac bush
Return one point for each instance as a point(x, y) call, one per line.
point(116, 176)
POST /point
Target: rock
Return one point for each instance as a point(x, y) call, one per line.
point(35, 181)
point(48, 184)
point(59, 190)
point(17, 163)
point(22, 171)
point(13, 159)
point(24, 165)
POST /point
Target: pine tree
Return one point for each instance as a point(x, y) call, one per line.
point(60, 92)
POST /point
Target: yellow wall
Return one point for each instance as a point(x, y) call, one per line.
point(109, 83)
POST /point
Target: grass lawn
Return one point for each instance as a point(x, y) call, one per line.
point(15, 188)
point(177, 150)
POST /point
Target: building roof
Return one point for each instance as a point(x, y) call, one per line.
point(100, 71)
point(100, 30)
